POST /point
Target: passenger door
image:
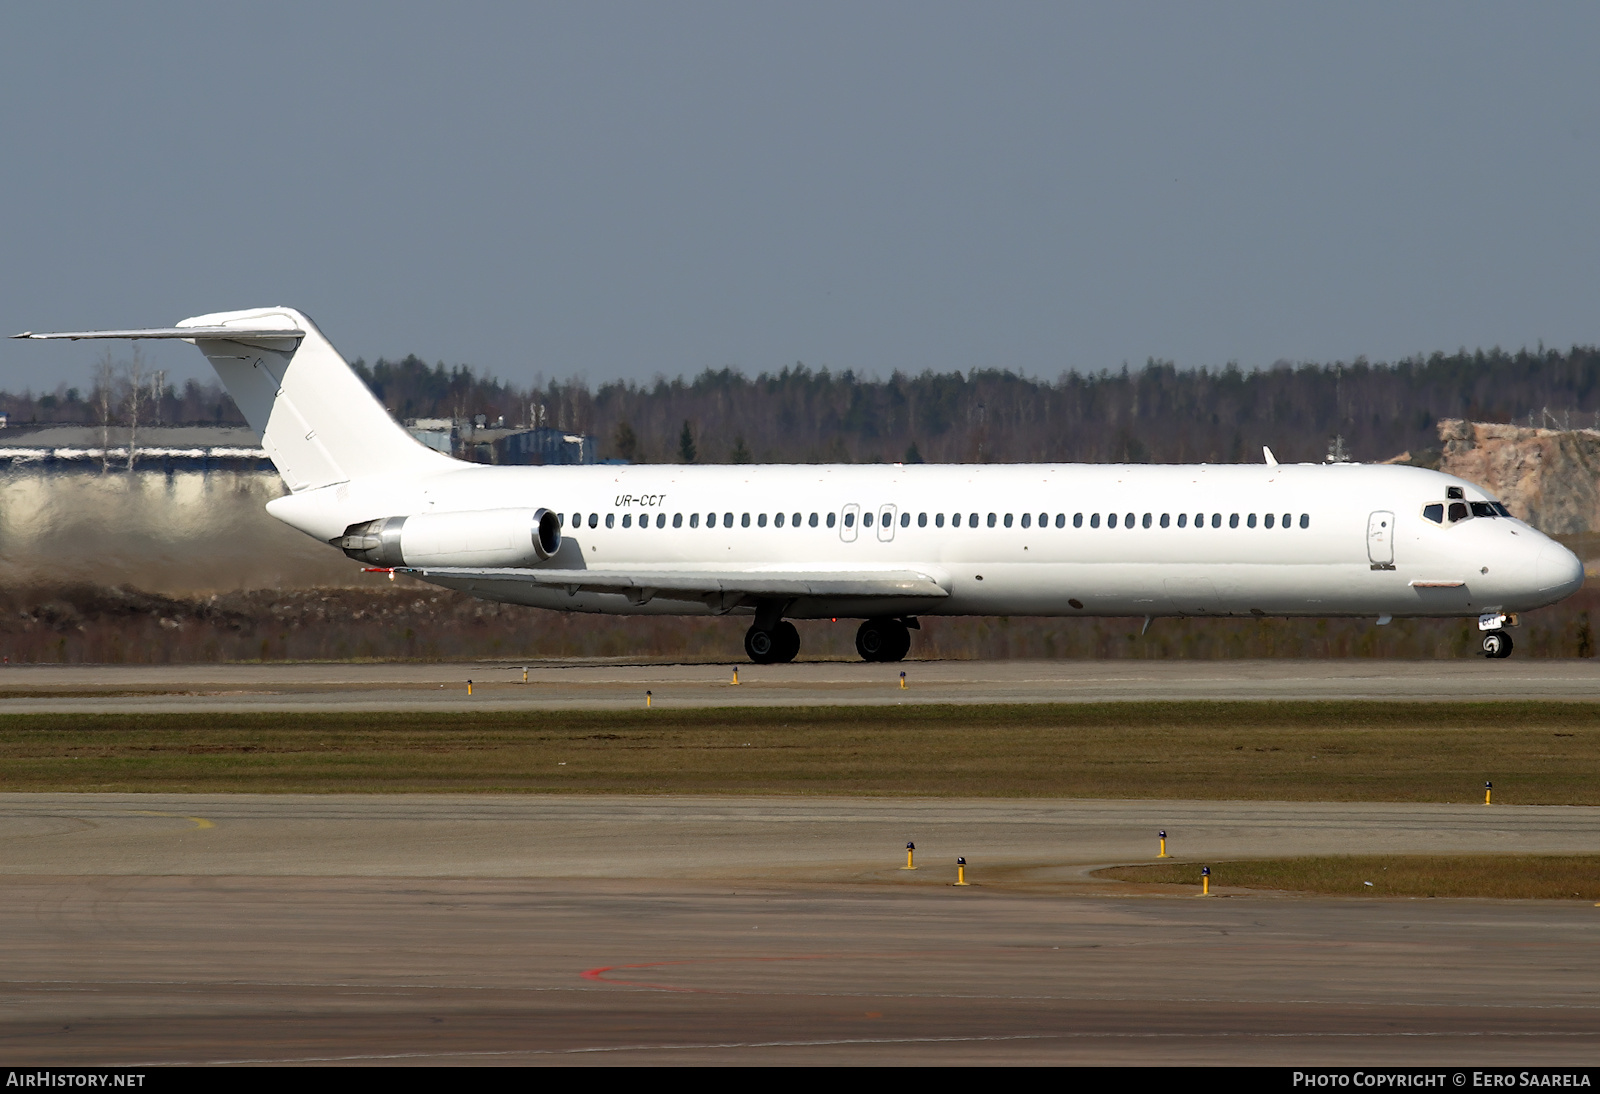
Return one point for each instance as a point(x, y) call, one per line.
point(886, 523)
point(1380, 540)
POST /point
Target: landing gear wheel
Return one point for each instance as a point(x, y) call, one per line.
point(1497, 644)
point(779, 644)
point(788, 640)
point(883, 640)
point(761, 646)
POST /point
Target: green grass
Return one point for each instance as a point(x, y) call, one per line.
point(1536, 753)
point(1527, 877)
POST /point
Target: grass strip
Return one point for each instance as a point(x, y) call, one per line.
point(1536, 753)
point(1520, 877)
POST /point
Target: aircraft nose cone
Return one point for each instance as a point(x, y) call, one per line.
point(1558, 570)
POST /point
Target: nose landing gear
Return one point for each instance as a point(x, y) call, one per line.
point(883, 640)
point(1496, 644)
point(771, 647)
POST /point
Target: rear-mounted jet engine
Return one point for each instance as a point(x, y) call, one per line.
point(494, 537)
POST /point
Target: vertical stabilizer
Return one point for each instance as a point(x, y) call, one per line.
point(318, 422)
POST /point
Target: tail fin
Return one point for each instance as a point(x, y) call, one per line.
point(317, 420)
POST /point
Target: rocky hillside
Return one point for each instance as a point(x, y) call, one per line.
point(1548, 477)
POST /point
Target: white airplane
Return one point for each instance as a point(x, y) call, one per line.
point(885, 544)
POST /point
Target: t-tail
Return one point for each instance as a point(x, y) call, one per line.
point(318, 422)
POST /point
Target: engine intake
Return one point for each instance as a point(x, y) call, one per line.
point(493, 537)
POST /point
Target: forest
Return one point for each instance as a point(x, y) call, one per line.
point(1158, 413)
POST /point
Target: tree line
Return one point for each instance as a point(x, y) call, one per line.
point(1157, 413)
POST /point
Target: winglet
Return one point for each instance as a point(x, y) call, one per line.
point(1272, 461)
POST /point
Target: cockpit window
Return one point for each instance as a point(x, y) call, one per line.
point(1434, 512)
point(1483, 509)
point(1458, 511)
point(1501, 509)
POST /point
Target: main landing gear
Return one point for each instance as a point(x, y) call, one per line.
point(772, 646)
point(876, 640)
point(1496, 644)
point(883, 640)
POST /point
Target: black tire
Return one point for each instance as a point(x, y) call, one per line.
point(883, 640)
point(761, 646)
point(788, 642)
point(1496, 644)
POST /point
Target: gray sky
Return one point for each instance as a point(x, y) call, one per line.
point(621, 190)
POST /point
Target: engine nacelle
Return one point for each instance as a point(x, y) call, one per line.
point(487, 538)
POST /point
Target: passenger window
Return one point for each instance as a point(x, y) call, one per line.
point(922, 520)
point(744, 520)
point(1458, 511)
point(1267, 521)
point(972, 520)
point(1183, 520)
point(1288, 519)
point(905, 520)
point(831, 519)
point(938, 520)
point(813, 521)
point(866, 520)
point(1061, 520)
point(761, 521)
point(611, 520)
point(777, 521)
point(1483, 509)
point(1216, 520)
point(694, 520)
point(849, 520)
point(1077, 520)
point(991, 520)
point(677, 520)
point(797, 520)
point(1094, 520)
point(1199, 520)
point(1250, 521)
point(1111, 520)
point(727, 520)
point(1146, 521)
point(1166, 519)
point(627, 520)
point(1305, 520)
point(1008, 520)
point(1027, 520)
point(1233, 520)
point(594, 519)
point(661, 520)
point(1434, 512)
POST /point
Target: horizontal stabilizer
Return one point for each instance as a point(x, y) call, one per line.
point(232, 334)
point(696, 584)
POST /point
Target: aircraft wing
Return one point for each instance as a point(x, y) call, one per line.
point(730, 586)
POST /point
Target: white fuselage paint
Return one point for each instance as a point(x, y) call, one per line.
point(1323, 563)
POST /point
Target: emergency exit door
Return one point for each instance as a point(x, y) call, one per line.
point(1380, 540)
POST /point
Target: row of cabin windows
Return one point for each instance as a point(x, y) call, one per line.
point(1128, 520)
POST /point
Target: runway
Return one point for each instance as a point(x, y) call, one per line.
point(150, 929)
point(605, 685)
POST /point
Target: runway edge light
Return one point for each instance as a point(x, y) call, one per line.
point(1205, 881)
point(1162, 835)
point(961, 871)
point(910, 848)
